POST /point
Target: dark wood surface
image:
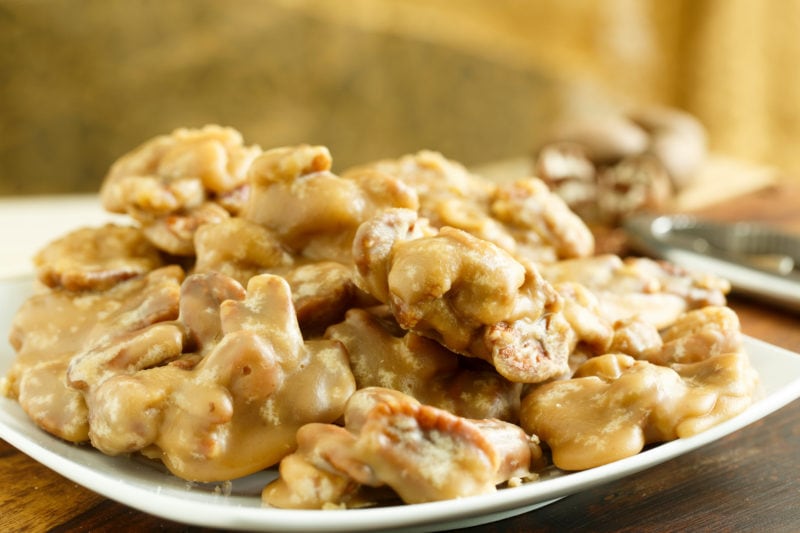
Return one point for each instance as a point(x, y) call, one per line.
point(748, 481)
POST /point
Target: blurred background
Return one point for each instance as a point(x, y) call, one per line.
point(81, 83)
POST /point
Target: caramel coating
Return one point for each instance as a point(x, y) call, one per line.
point(465, 293)
point(698, 335)
point(433, 177)
point(322, 293)
point(52, 327)
point(96, 258)
point(522, 217)
point(239, 249)
point(449, 195)
point(694, 336)
point(174, 233)
point(384, 356)
point(656, 291)
point(321, 290)
point(173, 172)
point(171, 184)
point(636, 336)
point(313, 212)
point(582, 311)
point(544, 228)
point(427, 454)
point(614, 405)
point(421, 452)
point(323, 472)
point(237, 410)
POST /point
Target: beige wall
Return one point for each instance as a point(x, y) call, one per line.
point(82, 82)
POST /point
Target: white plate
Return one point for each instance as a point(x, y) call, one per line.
point(150, 489)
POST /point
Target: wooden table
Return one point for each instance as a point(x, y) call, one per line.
point(748, 481)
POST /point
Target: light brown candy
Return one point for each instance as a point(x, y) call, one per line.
point(96, 258)
point(698, 335)
point(473, 217)
point(382, 355)
point(174, 233)
point(522, 217)
point(235, 410)
point(695, 336)
point(465, 293)
point(636, 336)
point(421, 452)
point(449, 195)
point(174, 183)
point(238, 248)
point(178, 171)
point(593, 331)
point(544, 228)
point(313, 212)
point(427, 454)
point(53, 326)
point(433, 177)
point(322, 292)
point(615, 405)
point(322, 472)
point(656, 291)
